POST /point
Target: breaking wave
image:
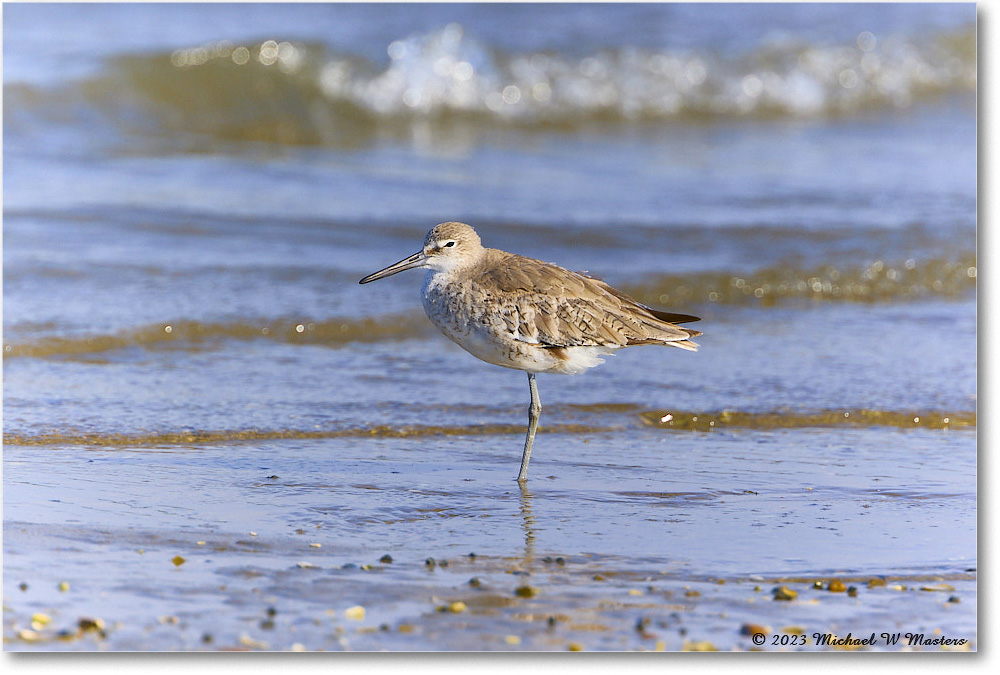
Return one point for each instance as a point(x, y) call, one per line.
point(296, 93)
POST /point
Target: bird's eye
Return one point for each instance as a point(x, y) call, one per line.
point(448, 244)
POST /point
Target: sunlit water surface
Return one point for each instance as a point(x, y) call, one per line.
point(213, 435)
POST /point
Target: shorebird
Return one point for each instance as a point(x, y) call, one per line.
point(529, 315)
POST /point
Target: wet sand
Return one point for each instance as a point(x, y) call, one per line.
point(426, 543)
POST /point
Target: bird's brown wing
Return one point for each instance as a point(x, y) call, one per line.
point(542, 303)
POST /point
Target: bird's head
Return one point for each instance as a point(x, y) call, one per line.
point(448, 246)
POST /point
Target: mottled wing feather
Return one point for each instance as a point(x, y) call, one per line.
point(546, 304)
point(669, 317)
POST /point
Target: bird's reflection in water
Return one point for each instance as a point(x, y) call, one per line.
point(528, 523)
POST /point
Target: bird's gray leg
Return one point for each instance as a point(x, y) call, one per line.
point(534, 411)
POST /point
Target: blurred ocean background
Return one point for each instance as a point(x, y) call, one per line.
point(191, 192)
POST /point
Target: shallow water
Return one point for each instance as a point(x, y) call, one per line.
point(191, 369)
point(684, 511)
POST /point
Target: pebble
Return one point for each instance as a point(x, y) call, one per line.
point(90, 624)
point(39, 620)
point(784, 593)
point(456, 607)
point(700, 646)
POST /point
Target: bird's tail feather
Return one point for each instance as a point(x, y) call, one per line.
point(671, 317)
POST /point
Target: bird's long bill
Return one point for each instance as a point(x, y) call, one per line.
point(415, 260)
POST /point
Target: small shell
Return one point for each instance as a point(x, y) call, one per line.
point(29, 635)
point(248, 641)
point(939, 587)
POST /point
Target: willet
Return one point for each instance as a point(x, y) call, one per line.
point(529, 315)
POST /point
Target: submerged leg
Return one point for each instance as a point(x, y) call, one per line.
point(534, 410)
